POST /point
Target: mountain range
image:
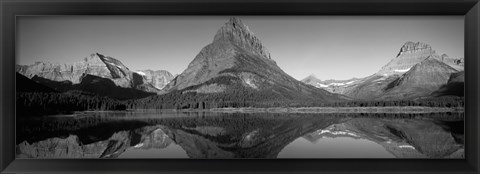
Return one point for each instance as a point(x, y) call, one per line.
point(417, 71)
point(98, 74)
point(237, 70)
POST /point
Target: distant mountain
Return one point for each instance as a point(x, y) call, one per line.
point(417, 71)
point(311, 80)
point(332, 85)
point(423, 79)
point(413, 53)
point(104, 69)
point(456, 63)
point(236, 61)
point(94, 85)
point(158, 78)
point(420, 81)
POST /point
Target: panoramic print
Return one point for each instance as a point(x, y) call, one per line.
point(230, 87)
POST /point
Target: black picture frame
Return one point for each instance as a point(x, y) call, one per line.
point(470, 9)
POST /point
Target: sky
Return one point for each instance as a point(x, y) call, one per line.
point(329, 47)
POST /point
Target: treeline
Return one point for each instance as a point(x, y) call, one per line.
point(237, 99)
point(446, 101)
point(234, 96)
point(40, 103)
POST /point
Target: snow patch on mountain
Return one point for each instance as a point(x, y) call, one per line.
point(401, 70)
point(350, 82)
point(335, 84)
point(337, 133)
point(141, 73)
point(250, 83)
point(406, 146)
point(380, 79)
point(322, 85)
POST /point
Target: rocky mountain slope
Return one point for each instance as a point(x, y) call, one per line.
point(421, 80)
point(412, 53)
point(95, 73)
point(416, 71)
point(237, 61)
point(455, 86)
point(332, 85)
point(158, 78)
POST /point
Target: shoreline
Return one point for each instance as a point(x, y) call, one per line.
point(389, 109)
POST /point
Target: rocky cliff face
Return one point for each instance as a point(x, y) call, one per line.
point(158, 78)
point(96, 65)
point(238, 55)
point(236, 32)
point(232, 39)
point(412, 53)
point(456, 63)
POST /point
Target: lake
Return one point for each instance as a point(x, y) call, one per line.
point(205, 134)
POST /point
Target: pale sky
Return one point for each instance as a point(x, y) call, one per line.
point(330, 47)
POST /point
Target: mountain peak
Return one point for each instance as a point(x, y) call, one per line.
point(410, 54)
point(234, 21)
point(237, 33)
point(311, 77)
point(412, 47)
point(434, 62)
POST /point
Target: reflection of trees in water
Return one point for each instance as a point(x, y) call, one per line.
point(244, 135)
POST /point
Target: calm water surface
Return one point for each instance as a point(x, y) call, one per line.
point(168, 134)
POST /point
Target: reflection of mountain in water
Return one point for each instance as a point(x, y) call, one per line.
point(232, 135)
point(404, 138)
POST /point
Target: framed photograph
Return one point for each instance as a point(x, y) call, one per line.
point(239, 86)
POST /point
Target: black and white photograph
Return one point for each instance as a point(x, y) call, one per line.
point(229, 87)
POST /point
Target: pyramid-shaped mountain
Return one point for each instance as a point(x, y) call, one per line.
point(311, 80)
point(237, 62)
point(423, 79)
